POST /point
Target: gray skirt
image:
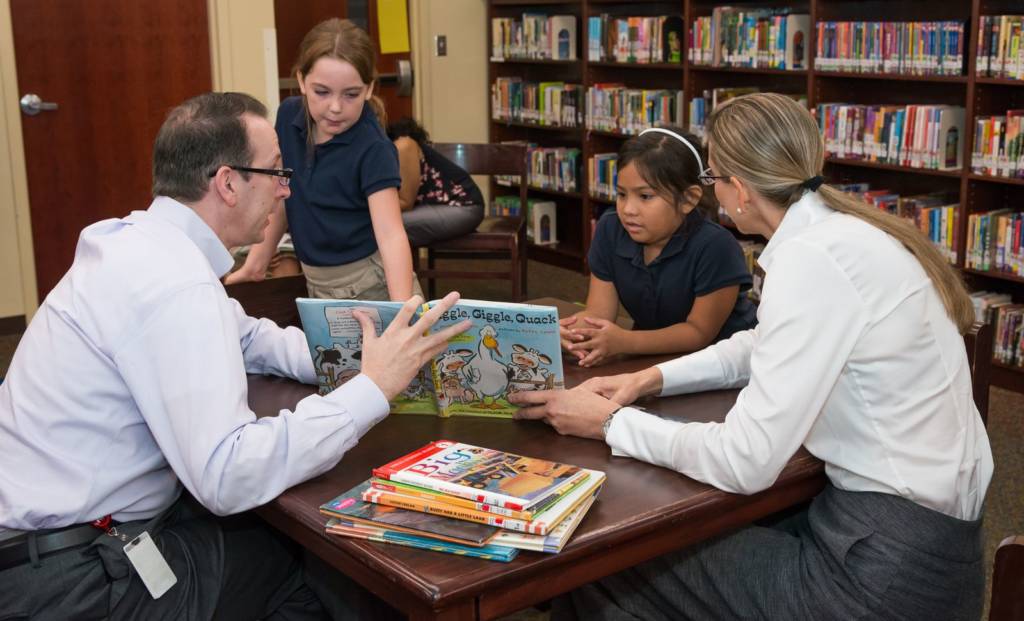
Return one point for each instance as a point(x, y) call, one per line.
point(850, 555)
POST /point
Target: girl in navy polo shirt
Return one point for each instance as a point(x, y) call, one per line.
point(343, 212)
point(680, 277)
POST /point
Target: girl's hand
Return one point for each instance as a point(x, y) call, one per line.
point(569, 335)
point(392, 359)
point(601, 339)
point(576, 412)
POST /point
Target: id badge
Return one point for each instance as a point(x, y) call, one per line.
point(144, 556)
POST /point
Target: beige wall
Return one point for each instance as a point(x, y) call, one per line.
point(451, 91)
point(450, 100)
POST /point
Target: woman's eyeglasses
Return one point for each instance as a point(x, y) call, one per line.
point(708, 179)
point(284, 175)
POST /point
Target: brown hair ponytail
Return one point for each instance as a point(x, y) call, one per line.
point(772, 143)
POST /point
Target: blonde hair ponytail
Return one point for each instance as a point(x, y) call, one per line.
point(772, 143)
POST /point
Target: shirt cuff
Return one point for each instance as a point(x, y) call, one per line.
point(363, 400)
point(695, 372)
point(643, 436)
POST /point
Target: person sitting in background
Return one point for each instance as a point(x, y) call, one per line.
point(439, 200)
point(681, 277)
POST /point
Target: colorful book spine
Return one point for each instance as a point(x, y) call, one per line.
point(464, 503)
point(490, 552)
point(1000, 47)
point(916, 48)
point(435, 507)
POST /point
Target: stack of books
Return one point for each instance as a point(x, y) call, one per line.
point(467, 500)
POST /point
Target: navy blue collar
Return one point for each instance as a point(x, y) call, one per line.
point(629, 249)
point(345, 137)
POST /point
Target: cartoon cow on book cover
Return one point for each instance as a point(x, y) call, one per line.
point(337, 364)
point(454, 383)
point(526, 372)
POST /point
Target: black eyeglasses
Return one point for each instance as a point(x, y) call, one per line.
point(707, 179)
point(284, 175)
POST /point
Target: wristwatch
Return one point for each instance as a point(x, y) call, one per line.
point(608, 421)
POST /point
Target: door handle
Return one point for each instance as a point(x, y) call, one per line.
point(32, 104)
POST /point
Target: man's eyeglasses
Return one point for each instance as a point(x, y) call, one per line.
point(284, 175)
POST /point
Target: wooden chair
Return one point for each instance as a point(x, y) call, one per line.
point(978, 341)
point(1007, 602)
point(273, 298)
point(497, 237)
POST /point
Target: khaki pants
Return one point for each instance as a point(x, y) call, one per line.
point(359, 280)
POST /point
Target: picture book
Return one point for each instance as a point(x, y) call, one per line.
point(371, 533)
point(554, 541)
point(428, 494)
point(350, 507)
point(484, 475)
point(542, 524)
point(509, 348)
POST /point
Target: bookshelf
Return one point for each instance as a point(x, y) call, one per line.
point(979, 95)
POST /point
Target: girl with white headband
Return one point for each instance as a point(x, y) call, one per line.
point(681, 277)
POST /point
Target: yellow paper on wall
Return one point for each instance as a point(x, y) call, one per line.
point(393, 26)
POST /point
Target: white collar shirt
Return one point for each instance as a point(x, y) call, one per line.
point(130, 381)
point(854, 357)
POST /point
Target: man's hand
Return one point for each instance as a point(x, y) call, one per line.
point(392, 359)
point(601, 339)
point(576, 412)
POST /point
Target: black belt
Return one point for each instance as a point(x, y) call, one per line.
point(15, 551)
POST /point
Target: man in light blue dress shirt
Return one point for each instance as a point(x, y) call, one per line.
point(130, 385)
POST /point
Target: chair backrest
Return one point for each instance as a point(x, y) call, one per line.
point(978, 341)
point(273, 298)
point(488, 159)
point(1008, 581)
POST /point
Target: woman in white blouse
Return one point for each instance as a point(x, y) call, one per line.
point(857, 356)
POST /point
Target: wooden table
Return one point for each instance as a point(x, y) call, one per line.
point(643, 511)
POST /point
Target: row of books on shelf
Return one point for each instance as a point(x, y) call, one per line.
point(1007, 319)
point(614, 38)
point(551, 168)
point(541, 217)
point(995, 240)
point(701, 107)
point(1001, 46)
point(615, 108)
point(467, 500)
point(603, 175)
point(914, 48)
point(936, 214)
point(751, 253)
point(534, 36)
point(555, 104)
point(916, 136)
point(762, 38)
point(999, 145)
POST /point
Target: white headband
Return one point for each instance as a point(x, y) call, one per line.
point(689, 146)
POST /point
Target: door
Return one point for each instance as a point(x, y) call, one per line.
point(113, 68)
point(293, 22)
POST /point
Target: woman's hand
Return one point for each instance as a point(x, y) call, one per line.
point(575, 412)
point(622, 389)
point(601, 339)
point(245, 273)
point(392, 359)
point(569, 335)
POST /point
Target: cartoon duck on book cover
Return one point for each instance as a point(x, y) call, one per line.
point(509, 348)
point(335, 342)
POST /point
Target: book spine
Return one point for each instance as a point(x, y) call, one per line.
point(484, 496)
point(452, 500)
point(458, 513)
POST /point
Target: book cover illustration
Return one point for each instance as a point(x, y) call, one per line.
point(335, 343)
point(541, 524)
point(350, 506)
point(509, 348)
point(490, 552)
point(484, 475)
point(554, 541)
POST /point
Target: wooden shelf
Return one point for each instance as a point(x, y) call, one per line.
point(999, 81)
point(618, 65)
point(548, 191)
point(1007, 377)
point(995, 179)
point(534, 61)
point(710, 69)
point(997, 275)
point(956, 79)
point(602, 199)
point(602, 132)
point(550, 128)
point(557, 254)
point(894, 167)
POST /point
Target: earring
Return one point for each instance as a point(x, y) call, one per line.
point(739, 210)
